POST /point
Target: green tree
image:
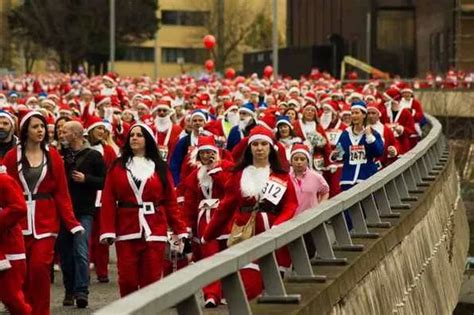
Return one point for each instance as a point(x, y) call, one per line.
point(260, 36)
point(78, 30)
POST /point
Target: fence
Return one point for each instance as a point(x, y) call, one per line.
point(368, 203)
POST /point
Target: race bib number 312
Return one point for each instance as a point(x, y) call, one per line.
point(274, 190)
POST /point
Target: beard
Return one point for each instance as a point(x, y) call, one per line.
point(244, 123)
point(233, 118)
point(326, 119)
point(162, 123)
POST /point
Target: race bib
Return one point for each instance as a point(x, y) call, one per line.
point(274, 190)
point(357, 155)
point(333, 136)
point(163, 149)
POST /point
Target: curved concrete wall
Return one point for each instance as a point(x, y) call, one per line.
point(423, 273)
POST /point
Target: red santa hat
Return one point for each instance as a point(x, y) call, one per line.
point(110, 76)
point(268, 120)
point(162, 104)
point(300, 148)
point(228, 106)
point(101, 100)
point(261, 133)
point(48, 101)
point(392, 94)
point(92, 122)
point(207, 143)
point(346, 109)
point(333, 106)
point(65, 109)
point(24, 115)
point(374, 105)
point(310, 97)
point(50, 120)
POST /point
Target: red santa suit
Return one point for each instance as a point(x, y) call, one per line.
point(404, 119)
point(278, 203)
point(389, 140)
point(415, 108)
point(136, 211)
point(204, 188)
point(48, 204)
point(12, 247)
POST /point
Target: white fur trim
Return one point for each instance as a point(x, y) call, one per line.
point(28, 115)
point(102, 101)
point(203, 176)
point(253, 180)
point(199, 114)
point(15, 256)
point(306, 153)
point(147, 129)
point(76, 229)
point(362, 108)
point(180, 199)
point(8, 116)
point(208, 147)
point(96, 124)
point(5, 264)
point(107, 235)
point(260, 137)
point(141, 168)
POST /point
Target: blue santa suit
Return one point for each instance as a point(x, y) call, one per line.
point(359, 155)
point(178, 156)
point(235, 135)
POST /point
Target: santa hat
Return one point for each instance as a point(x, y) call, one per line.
point(207, 143)
point(406, 90)
point(294, 102)
point(13, 94)
point(199, 112)
point(92, 122)
point(65, 109)
point(300, 148)
point(48, 101)
point(346, 109)
point(24, 115)
point(283, 120)
point(101, 100)
point(294, 90)
point(50, 120)
point(110, 76)
point(310, 97)
point(31, 99)
point(268, 121)
point(247, 108)
point(261, 133)
point(229, 106)
point(162, 104)
point(8, 116)
point(392, 94)
point(360, 105)
point(356, 95)
point(148, 129)
point(373, 105)
point(333, 106)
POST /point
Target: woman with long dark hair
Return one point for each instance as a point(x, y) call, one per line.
point(260, 191)
point(138, 205)
point(39, 169)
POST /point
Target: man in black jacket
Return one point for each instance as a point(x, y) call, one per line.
point(85, 171)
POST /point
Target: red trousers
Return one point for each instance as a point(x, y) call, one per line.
point(139, 264)
point(11, 288)
point(253, 282)
point(214, 289)
point(99, 253)
point(39, 257)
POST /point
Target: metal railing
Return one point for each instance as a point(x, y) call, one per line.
point(368, 203)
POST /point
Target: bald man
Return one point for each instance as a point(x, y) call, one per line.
point(85, 170)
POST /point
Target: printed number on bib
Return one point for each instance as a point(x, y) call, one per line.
point(163, 152)
point(332, 135)
point(357, 155)
point(274, 190)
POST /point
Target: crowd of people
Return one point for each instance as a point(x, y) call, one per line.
point(175, 170)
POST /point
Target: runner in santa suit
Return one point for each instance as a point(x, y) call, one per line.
point(167, 133)
point(12, 246)
point(247, 121)
point(333, 127)
point(258, 182)
point(39, 169)
point(99, 255)
point(409, 101)
point(359, 147)
point(312, 133)
point(204, 188)
point(401, 122)
point(221, 127)
point(138, 205)
point(390, 143)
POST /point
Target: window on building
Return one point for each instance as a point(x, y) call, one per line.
point(186, 18)
point(137, 54)
point(188, 55)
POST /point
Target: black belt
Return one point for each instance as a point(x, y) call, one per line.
point(39, 196)
point(258, 208)
point(124, 204)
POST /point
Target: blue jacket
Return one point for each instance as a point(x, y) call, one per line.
point(177, 158)
point(235, 135)
point(359, 155)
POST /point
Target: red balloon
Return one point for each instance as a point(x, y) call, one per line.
point(268, 71)
point(209, 41)
point(209, 65)
point(230, 73)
